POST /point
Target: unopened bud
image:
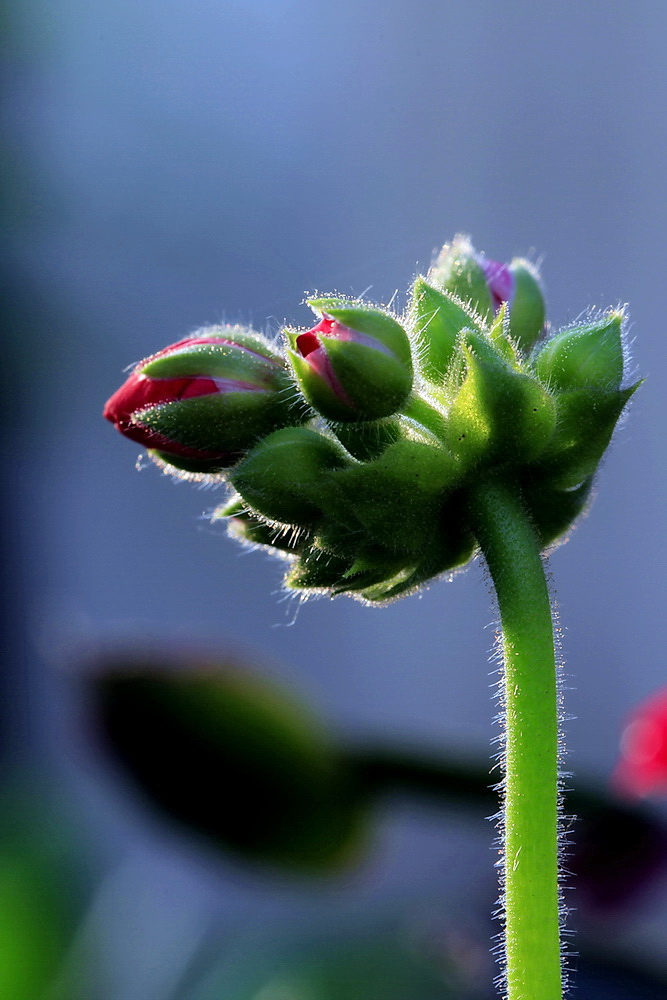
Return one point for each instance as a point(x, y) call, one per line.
point(500, 415)
point(438, 317)
point(457, 269)
point(203, 401)
point(589, 356)
point(284, 477)
point(486, 284)
point(355, 365)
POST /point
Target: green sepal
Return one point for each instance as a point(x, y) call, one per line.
point(397, 498)
point(245, 526)
point(527, 314)
point(585, 423)
point(376, 383)
point(285, 477)
point(317, 569)
point(249, 358)
point(229, 422)
point(313, 387)
point(499, 335)
point(369, 320)
point(320, 570)
point(553, 511)
point(193, 467)
point(371, 568)
point(589, 356)
point(457, 270)
point(500, 415)
point(437, 317)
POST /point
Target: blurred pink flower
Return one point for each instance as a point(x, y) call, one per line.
point(642, 767)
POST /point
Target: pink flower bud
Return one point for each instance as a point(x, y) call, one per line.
point(310, 346)
point(356, 372)
point(642, 768)
point(499, 279)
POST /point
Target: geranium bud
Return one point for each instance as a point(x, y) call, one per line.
point(486, 284)
point(458, 270)
point(355, 365)
point(500, 415)
point(438, 318)
point(642, 769)
point(589, 356)
point(284, 477)
point(518, 284)
point(202, 402)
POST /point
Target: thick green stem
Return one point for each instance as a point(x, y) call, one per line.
point(530, 817)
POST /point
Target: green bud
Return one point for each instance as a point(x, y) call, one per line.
point(285, 477)
point(397, 498)
point(500, 415)
point(457, 269)
point(437, 318)
point(355, 365)
point(589, 356)
point(487, 284)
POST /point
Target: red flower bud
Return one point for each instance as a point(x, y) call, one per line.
point(140, 392)
point(205, 400)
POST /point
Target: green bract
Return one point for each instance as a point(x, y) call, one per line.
point(399, 419)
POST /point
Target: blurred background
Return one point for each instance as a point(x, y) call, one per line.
point(172, 164)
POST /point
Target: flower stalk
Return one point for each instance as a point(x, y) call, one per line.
point(529, 824)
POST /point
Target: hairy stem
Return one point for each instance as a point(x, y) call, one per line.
point(530, 807)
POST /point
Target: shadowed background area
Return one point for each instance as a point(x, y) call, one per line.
point(176, 164)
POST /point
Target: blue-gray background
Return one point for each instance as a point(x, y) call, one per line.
point(180, 163)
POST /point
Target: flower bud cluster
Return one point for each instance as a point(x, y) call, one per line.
point(351, 453)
